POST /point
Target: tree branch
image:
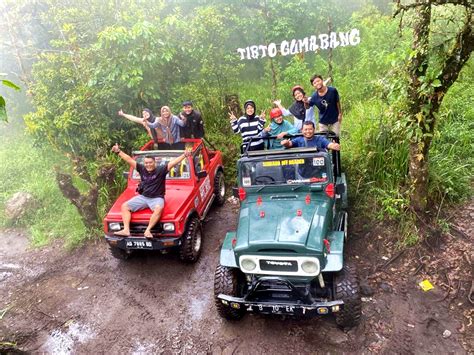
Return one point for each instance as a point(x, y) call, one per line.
point(458, 55)
point(466, 3)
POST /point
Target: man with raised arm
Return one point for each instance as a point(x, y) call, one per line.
point(151, 191)
point(309, 140)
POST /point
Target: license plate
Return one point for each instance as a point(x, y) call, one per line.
point(274, 309)
point(139, 244)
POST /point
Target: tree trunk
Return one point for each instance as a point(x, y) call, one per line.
point(418, 153)
point(85, 204)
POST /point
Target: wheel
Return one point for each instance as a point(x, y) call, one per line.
point(346, 287)
point(120, 253)
point(226, 281)
point(219, 188)
point(264, 178)
point(190, 249)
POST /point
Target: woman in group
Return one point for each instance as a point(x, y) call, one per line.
point(298, 109)
point(148, 116)
point(249, 125)
point(169, 125)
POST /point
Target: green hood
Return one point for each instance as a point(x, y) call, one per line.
point(280, 228)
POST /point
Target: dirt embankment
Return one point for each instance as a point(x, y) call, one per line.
point(85, 301)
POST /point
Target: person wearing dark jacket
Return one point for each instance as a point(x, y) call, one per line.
point(298, 109)
point(194, 124)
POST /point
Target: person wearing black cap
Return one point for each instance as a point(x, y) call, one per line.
point(249, 125)
point(194, 124)
point(298, 109)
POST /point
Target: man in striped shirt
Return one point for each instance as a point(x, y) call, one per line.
point(249, 125)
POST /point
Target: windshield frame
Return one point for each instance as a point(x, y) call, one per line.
point(171, 154)
point(280, 157)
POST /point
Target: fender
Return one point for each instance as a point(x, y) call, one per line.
point(335, 257)
point(227, 257)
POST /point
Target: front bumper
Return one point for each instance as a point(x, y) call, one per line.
point(292, 309)
point(136, 243)
point(277, 295)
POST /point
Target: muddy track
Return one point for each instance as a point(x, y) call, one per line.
point(85, 301)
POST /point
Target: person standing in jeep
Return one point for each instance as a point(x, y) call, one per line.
point(194, 124)
point(151, 191)
point(326, 99)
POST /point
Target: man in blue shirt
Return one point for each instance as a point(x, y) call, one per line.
point(326, 99)
point(310, 140)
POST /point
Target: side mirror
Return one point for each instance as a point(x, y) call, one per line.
point(340, 189)
point(235, 192)
point(125, 174)
point(202, 174)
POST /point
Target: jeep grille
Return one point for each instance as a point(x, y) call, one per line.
point(278, 265)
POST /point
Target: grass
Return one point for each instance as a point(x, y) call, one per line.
point(29, 169)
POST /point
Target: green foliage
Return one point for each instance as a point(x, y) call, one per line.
point(24, 168)
point(3, 109)
point(104, 56)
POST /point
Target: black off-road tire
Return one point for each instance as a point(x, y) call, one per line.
point(191, 245)
point(120, 253)
point(226, 281)
point(219, 188)
point(346, 288)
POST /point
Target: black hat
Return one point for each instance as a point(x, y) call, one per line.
point(187, 103)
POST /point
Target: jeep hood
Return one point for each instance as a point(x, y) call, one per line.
point(283, 224)
point(175, 198)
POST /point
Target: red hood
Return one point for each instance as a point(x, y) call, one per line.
point(175, 198)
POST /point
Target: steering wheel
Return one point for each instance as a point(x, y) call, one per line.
point(260, 177)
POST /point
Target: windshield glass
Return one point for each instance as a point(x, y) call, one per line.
point(284, 171)
point(180, 171)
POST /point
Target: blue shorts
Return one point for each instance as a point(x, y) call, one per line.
point(141, 202)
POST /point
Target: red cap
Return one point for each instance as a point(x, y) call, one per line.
point(275, 112)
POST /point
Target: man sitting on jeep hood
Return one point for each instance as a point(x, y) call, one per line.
point(151, 191)
point(309, 140)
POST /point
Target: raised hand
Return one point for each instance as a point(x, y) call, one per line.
point(232, 116)
point(120, 113)
point(116, 148)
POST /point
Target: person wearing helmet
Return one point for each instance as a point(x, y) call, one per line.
point(249, 125)
point(279, 128)
point(298, 109)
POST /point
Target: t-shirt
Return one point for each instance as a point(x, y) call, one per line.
point(153, 182)
point(317, 141)
point(327, 105)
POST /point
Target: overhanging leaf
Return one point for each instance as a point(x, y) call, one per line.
point(10, 84)
point(3, 111)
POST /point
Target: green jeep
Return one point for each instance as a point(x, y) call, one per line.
point(286, 256)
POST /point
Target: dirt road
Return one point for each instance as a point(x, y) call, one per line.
point(85, 301)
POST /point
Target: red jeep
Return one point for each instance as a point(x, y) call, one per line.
point(191, 188)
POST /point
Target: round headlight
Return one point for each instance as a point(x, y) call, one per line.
point(310, 267)
point(168, 227)
point(248, 264)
